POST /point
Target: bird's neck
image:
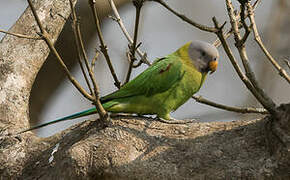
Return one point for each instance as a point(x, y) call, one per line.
point(183, 54)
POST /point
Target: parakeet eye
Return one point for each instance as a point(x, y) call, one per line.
point(203, 53)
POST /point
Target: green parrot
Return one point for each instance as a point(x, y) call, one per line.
point(163, 87)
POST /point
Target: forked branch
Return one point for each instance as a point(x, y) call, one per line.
point(259, 41)
point(103, 46)
point(46, 37)
point(258, 92)
point(138, 6)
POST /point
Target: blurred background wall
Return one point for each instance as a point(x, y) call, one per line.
point(160, 33)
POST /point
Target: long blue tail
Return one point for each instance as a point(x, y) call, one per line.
point(73, 116)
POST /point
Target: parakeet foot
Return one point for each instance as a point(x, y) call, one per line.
point(176, 121)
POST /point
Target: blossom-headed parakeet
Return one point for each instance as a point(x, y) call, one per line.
point(163, 87)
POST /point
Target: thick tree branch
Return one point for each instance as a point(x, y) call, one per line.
point(20, 61)
point(130, 147)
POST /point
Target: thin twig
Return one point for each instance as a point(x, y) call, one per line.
point(141, 61)
point(103, 114)
point(229, 52)
point(20, 35)
point(287, 62)
point(94, 61)
point(244, 25)
point(258, 39)
point(186, 19)
point(46, 38)
point(79, 45)
point(228, 33)
point(233, 60)
point(118, 19)
point(202, 100)
point(261, 96)
point(138, 5)
point(103, 46)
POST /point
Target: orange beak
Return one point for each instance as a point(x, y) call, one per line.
point(213, 66)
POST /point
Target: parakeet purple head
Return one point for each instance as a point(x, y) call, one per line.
point(204, 56)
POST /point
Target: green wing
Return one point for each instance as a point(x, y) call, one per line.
point(161, 76)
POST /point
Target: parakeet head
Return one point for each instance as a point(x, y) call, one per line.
point(204, 56)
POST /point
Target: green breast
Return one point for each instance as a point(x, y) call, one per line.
point(189, 84)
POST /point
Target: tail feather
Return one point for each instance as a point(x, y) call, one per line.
point(70, 117)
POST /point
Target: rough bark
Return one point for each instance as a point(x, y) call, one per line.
point(20, 61)
point(130, 147)
point(141, 148)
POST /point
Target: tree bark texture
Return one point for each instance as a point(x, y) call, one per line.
point(20, 61)
point(130, 147)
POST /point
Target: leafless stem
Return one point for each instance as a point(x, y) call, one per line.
point(262, 97)
point(138, 5)
point(118, 19)
point(258, 39)
point(103, 46)
point(142, 60)
point(244, 25)
point(46, 38)
point(80, 46)
point(186, 19)
point(287, 62)
point(233, 60)
point(202, 100)
point(20, 35)
point(228, 33)
point(94, 61)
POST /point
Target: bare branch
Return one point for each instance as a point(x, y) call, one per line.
point(258, 39)
point(138, 5)
point(118, 19)
point(20, 35)
point(186, 19)
point(262, 97)
point(287, 62)
point(94, 61)
point(103, 46)
point(227, 34)
point(45, 37)
point(233, 60)
point(80, 47)
point(202, 100)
